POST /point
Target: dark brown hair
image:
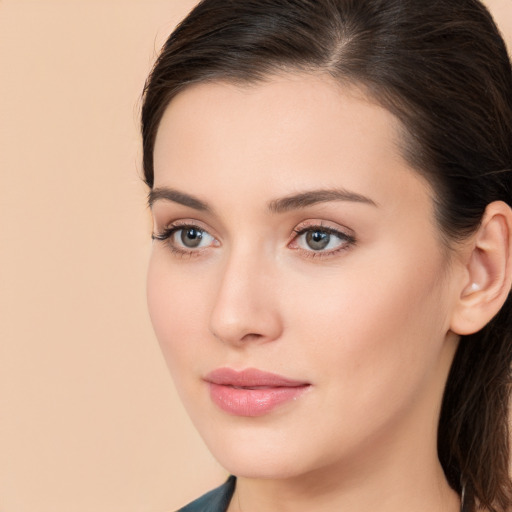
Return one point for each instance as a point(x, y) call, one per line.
point(442, 68)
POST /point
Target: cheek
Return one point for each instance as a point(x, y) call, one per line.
point(176, 307)
point(377, 331)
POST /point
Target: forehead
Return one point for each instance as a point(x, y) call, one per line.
point(300, 129)
point(282, 104)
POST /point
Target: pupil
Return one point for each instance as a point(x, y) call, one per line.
point(318, 240)
point(191, 237)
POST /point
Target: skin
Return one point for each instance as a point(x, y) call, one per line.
point(365, 322)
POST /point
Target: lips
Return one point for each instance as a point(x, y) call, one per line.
point(252, 392)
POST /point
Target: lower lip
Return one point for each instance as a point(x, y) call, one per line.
point(253, 402)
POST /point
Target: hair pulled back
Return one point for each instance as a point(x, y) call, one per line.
point(442, 68)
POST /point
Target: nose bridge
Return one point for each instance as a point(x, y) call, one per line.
point(245, 307)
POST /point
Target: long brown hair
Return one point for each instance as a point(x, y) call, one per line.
point(442, 68)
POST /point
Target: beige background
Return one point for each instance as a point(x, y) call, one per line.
point(89, 420)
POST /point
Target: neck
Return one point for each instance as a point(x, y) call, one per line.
point(414, 487)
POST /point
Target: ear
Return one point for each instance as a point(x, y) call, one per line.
point(488, 271)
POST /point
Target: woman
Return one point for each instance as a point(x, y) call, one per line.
point(330, 183)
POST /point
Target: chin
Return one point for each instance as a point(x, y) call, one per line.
point(264, 468)
point(262, 453)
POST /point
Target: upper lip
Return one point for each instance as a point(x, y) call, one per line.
point(250, 377)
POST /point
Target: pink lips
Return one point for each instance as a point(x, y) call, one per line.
point(251, 392)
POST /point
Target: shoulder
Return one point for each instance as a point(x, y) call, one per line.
point(213, 501)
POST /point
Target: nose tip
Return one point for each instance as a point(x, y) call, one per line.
point(245, 308)
point(241, 331)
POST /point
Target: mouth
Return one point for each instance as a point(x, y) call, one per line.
point(252, 392)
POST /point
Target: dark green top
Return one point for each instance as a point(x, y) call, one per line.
point(218, 499)
point(213, 501)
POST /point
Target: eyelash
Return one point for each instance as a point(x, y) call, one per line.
point(166, 234)
point(346, 240)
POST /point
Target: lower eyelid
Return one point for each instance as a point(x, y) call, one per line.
point(333, 253)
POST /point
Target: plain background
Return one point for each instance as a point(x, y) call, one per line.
point(89, 419)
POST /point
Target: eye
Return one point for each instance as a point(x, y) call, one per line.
point(321, 239)
point(185, 238)
point(190, 237)
point(318, 240)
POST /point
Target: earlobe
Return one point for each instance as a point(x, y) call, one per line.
point(488, 272)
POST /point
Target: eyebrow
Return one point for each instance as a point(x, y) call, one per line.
point(170, 194)
point(284, 204)
point(309, 198)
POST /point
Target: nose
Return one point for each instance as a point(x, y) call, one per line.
point(246, 306)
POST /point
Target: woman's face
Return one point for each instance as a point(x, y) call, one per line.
point(298, 286)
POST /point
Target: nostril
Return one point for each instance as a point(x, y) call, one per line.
point(251, 337)
point(238, 337)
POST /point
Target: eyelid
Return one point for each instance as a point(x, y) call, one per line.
point(322, 225)
point(181, 222)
